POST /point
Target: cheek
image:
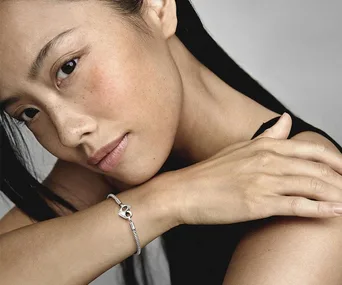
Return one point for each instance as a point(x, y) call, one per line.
point(103, 94)
point(96, 87)
point(137, 91)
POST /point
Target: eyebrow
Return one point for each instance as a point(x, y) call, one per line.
point(36, 66)
point(44, 52)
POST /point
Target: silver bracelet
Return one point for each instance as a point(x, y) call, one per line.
point(125, 213)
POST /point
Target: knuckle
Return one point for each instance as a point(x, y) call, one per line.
point(324, 170)
point(316, 185)
point(265, 157)
point(254, 197)
point(315, 147)
point(255, 186)
point(319, 147)
point(295, 205)
point(259, 179)
point(255, 207)
point(320, 208)
point(261, 143)
point(268, 208)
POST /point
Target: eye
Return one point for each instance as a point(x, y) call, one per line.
point(66, 70)
point(28, 114)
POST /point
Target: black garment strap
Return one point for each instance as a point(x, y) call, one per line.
point(298, 126)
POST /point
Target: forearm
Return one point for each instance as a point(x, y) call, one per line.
point(76, 249)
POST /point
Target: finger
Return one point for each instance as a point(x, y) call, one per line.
point(279, 130)
point(301, 149)
point(308, 187)
point(300, 167)
point(302, 207)
point(276, 164)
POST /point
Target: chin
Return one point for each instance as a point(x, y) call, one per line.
point(125, 184)
point(140, 163)
point(138, 177)
point(129, 175)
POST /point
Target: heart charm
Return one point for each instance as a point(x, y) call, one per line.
point(125, 212)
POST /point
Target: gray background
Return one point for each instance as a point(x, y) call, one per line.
point(293, 48)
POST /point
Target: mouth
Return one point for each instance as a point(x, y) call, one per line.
point(108, 157)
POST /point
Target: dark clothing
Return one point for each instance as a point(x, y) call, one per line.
point(201, 254)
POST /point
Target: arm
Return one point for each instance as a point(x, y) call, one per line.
point(77, 248)
point(289, 250)
point(14, 219)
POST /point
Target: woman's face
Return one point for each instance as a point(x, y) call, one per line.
point(96, 79)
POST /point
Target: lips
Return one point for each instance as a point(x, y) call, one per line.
point(101, 153)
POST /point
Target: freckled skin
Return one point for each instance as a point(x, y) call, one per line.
point(119, 86)
point(124, 82)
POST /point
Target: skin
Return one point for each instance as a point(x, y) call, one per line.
point(120, 86)
point(287, 250)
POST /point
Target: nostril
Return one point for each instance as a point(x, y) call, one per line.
point(73, 127)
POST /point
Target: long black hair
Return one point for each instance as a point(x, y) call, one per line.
point(20, 185)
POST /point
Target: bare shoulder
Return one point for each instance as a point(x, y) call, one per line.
point(290, 250)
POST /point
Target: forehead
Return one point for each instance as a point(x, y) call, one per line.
point(28, 25)
point(26, 18)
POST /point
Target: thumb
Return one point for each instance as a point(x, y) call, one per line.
point(280, 130)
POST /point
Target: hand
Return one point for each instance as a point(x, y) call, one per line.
point(264, 177)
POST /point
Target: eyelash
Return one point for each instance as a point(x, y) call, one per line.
point(76, 56)
point(74, 59)
point(84, 51)
point(21, 122)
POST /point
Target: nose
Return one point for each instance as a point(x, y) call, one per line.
point(72, 126)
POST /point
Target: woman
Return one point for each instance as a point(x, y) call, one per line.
point(92, 75)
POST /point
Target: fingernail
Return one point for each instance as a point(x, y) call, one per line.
point(338, 209)
point(285, 114)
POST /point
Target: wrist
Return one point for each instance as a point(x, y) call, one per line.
point(166, 195)
point(153, 205)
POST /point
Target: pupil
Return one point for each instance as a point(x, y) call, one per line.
point(69, 67)
point(31, 112)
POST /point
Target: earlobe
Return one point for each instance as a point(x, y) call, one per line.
point(167, 14)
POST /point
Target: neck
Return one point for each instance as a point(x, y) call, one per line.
point(214, 115)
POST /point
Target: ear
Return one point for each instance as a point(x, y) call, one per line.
point(164, 12)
